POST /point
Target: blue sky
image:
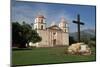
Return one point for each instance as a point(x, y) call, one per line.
point(27, 11)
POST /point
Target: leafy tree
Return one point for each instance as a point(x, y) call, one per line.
point(92, 44)
point(71, 40)
point(93, 38)
point(23, 34)
point(16, 33)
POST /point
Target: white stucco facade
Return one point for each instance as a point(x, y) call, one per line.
point(53, 35)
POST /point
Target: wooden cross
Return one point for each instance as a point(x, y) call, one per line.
point(78, 26)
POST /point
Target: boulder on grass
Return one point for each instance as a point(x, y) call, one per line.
point(85, 50)
point(74, 48)
point(79, 48)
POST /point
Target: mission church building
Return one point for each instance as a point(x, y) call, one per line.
point(53, 35)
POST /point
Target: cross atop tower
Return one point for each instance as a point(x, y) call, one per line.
point(78, 22)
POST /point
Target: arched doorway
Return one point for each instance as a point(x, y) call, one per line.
point(54, 42)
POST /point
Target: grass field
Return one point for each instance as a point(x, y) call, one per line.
point(46, 56)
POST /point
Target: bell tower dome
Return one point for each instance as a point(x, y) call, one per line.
point(63, 25)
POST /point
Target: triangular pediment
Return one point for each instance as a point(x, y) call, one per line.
point(54, 27)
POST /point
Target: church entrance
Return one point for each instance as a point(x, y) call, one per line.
point(54, 42)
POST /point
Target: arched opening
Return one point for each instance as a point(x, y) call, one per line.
point(42, 27)
point(65, 30)
point(54, 33)
point(54, 42)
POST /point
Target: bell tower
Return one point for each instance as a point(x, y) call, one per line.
point(40, 22)
point(65, 34)
point(63, 25)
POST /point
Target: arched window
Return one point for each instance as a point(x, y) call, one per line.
point(65, 30)
point(54, 33)
point(42, 27)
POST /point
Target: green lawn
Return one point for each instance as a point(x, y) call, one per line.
point(45, 56)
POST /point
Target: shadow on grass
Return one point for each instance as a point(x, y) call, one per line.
point(21, 49)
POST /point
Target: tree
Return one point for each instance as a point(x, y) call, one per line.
point(16, 33)
point(24, 34)
point(71, 40)
point(93, 38)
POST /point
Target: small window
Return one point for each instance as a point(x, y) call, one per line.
point(54, 33)
point(41, 20)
